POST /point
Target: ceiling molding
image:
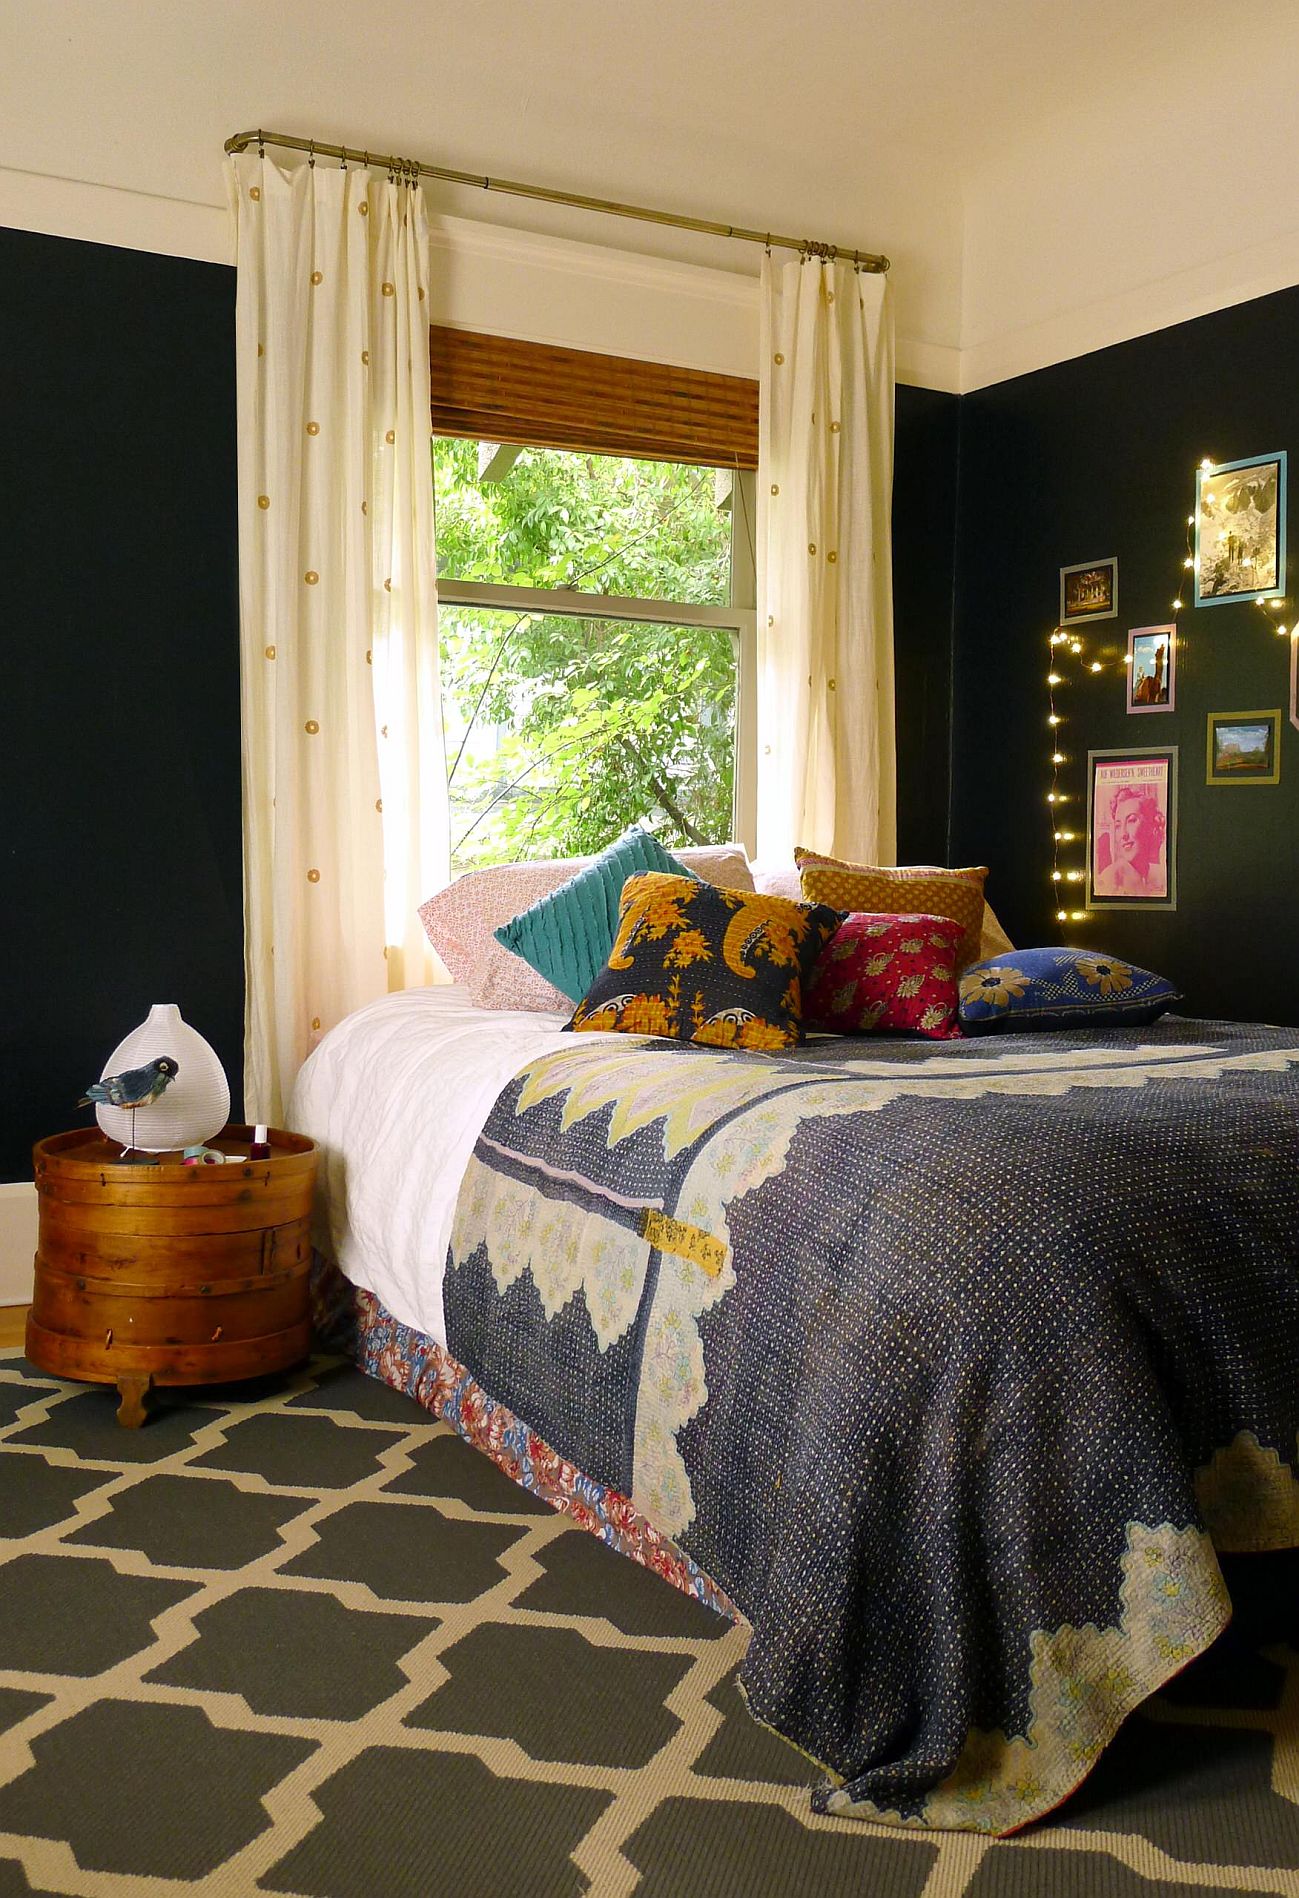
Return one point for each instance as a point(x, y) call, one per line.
point(105, 214)
point(1199, 290)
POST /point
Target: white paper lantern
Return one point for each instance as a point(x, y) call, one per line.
point(194, 1107)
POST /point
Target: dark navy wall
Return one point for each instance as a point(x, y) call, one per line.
point(1077, 462)
point(924, 577)
point(119, 713)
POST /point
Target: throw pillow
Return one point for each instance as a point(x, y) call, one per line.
point(566, 936)
point(993, 940)
point(1060, 988)
point(877, 891)
point(888, 975)
point(721, 967)
point(460, 921)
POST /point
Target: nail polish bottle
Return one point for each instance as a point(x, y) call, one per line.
point(261, 1146)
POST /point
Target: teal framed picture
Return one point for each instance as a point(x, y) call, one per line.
point(1240, 530)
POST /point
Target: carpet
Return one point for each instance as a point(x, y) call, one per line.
point(298, 1638)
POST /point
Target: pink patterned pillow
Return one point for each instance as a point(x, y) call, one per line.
point(888, 975)
point(460, 920)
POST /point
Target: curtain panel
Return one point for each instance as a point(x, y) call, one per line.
point(826, 752)
point(344, 776)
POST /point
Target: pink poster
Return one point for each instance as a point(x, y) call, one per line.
point(1132, 828)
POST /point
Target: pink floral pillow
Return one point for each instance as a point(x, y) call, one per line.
point(888, 975)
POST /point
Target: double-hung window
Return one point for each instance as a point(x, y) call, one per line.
point(595, 607)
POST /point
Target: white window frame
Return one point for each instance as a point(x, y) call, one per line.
point(739, 619)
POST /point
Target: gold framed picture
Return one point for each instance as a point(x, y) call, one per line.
point(1244, 748)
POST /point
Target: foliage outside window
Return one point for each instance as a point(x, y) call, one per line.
point(566, 722)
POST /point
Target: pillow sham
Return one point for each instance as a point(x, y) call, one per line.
point(899, 891)
point(1060, 988)
point(460, 922)
point(888, 975)
point(566, 936)
point(993, 940)
point(724, 968)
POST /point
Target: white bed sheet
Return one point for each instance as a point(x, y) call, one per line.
point(395, 1097)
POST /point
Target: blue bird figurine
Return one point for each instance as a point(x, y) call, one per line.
point(137, 1087)
point(133, 1088)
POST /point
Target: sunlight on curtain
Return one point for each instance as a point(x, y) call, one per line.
point(345, 811)
point(826, 756)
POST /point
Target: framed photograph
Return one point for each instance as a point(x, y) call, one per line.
point(1152, 668)
point(1089, 591)
point(1132, 828)
point(1294, 680)
point(1240, 530)
point(1244, 748)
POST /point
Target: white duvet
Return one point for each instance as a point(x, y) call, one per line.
point(395, 1097)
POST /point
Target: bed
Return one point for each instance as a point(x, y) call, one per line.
point(947, 1366)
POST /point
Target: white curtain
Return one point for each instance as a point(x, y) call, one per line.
point(826, 756)
point(345, 807)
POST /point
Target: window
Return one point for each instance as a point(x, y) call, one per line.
point(596, 616)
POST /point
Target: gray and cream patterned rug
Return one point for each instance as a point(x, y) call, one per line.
point(298, 1638)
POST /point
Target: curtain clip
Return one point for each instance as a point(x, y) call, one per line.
point(261, 146)
point(311, 153)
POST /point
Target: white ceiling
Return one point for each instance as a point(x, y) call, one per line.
point(900, 125)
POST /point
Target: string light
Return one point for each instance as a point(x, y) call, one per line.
point(1067, 872)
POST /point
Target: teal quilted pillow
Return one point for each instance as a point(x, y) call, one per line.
point(567, 935)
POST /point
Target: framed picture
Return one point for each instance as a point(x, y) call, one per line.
point(1089, 591)
point(1152, 668)
point(1244, 748)
point(1240, 530)
point(1294, 680)
point(1132, 828)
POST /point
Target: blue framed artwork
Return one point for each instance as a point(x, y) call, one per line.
point(1240, 530)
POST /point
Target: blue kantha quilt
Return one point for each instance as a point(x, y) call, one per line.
point(952, 1364)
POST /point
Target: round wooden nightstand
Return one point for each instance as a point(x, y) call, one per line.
point(170, 1274)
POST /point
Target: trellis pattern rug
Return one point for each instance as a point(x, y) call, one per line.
point(299, 1638)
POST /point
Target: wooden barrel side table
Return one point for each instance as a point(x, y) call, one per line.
point(170, 1274)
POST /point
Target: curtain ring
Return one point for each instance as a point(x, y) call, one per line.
point(311, 154)
point(767, 246)
point(261, 148)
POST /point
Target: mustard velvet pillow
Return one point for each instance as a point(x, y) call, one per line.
point(724, 968)
point(900, 891)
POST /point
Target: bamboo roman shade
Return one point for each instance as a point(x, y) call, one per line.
point(495, 389)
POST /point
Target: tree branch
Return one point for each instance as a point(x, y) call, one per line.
point(664, 795)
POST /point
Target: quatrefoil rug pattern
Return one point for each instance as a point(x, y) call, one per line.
point(298, 1638)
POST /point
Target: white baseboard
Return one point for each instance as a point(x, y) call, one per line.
point(17, 1243)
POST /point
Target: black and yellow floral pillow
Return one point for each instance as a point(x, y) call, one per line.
point(724, 967)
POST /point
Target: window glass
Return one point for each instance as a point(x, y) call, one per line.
point(562, 731)
point(541, 517)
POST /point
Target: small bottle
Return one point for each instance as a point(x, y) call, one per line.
point(261, 1147)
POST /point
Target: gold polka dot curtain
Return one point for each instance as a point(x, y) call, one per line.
point(826, 758)
point(345, 810)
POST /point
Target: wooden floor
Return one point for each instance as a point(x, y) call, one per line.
point(13, 1324)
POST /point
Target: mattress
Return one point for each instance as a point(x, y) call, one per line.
point(396, 1097)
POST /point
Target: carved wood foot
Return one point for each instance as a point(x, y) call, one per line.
point(134, 1391)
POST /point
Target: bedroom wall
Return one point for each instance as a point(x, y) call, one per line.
point(119, 726)
point(1092, 458)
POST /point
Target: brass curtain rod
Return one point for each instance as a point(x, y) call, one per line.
point(409, 167)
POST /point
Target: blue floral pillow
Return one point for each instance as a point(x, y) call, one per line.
point(1060, 988)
